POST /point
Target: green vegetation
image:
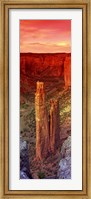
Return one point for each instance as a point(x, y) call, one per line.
point(24, 105)
point(41, 174)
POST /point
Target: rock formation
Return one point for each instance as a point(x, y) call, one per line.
point(65, 162)
point(45, 67)
point(37, 64)
point(67, 71)
point(42, 130)
point(24, 160)
point(47, 135)
point(54, 125)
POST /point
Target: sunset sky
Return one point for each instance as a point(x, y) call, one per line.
point(45, 36)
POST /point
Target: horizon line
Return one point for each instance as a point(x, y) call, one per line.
point(45, 52)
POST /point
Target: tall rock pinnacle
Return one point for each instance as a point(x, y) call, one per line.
point(54, 125)
point(42, 130)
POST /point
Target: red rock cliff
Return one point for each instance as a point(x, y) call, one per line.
point(34, 64)
point(67, 71)
point(43, 67)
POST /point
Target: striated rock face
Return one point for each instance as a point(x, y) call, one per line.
point(42, 130)
point(65, 162)
point(54, 125)
point(67, 71)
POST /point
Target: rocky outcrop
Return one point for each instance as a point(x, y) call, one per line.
point(65, 162)
point(24, 160)
point(54, 125)
point(67, 71)
point(42, 130)
point(23, 175)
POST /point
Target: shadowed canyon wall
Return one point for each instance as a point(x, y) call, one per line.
point(34, 64)
point(67, 71)
point(42, 67)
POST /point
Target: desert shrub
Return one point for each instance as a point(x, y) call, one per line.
point(41, 174)
point(24, 105)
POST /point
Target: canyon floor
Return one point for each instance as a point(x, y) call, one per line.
point(54, 88)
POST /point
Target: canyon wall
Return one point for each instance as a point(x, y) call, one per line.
point(34, 64)
point(67, 71)
point(52, 68)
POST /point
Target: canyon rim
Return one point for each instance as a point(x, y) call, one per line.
point(45, 99)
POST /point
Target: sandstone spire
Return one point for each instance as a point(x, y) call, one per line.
point(42, 130)
point(54, 125)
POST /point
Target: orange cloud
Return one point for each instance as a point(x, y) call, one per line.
point(45, 36)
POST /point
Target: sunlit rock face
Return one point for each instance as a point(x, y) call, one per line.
point(42, 130)
point(54, 125)
point(67, 71)
point(47, 133)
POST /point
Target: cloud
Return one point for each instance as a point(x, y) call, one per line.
point(44, 47)
point(45, 35)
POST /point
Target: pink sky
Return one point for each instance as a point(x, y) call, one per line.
point(45, 36)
